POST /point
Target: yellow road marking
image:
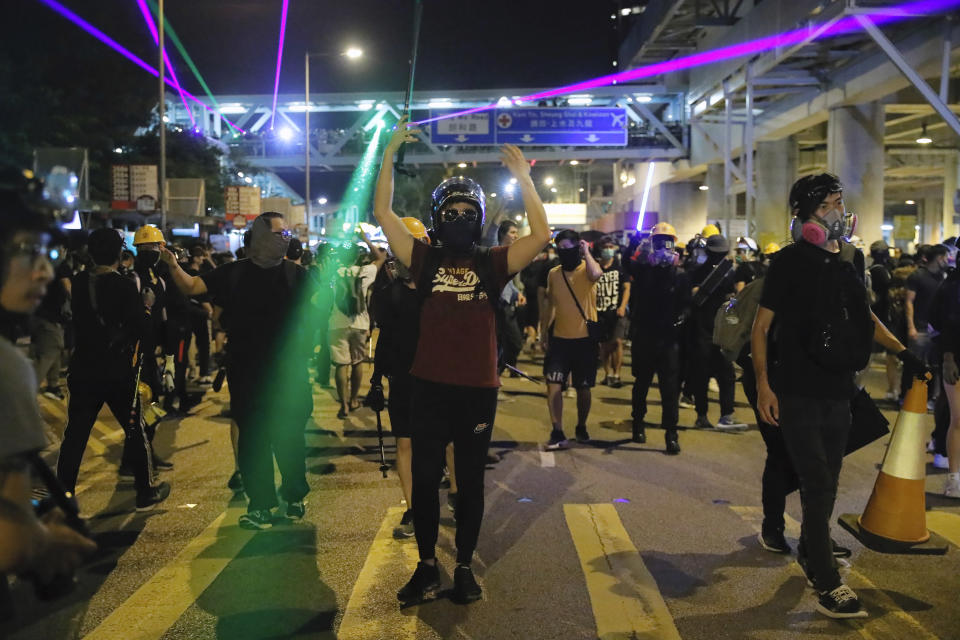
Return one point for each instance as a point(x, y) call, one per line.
point(876, 624)
point(159, 603)
point(364, 616)
point(946, 524)
point(612, 566)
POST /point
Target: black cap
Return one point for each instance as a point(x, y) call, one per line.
point(718, 244)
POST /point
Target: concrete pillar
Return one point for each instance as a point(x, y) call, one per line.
point(951, 182)
point(855, 154)
point(776, 170)
point(715, 197)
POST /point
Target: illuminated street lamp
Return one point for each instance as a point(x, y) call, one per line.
point(352, 53)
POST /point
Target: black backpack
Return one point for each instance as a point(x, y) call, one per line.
point(840, 334)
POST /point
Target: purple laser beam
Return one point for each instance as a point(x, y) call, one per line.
point(166, 59)
point(113, 44)
point(848, 24)
point(276, 79)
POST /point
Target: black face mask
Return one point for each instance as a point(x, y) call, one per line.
point(715, 258)
point(570, 259)
point(457, 236)
point(146, 258)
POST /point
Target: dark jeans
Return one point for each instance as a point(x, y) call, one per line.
point(179, 345)
point(445, 413)
point(509, 338)
point(779, 478)
point(815, 432)
point(663, 359)
point(201, 333)
point(87, 396)
point(270, 424)
point(941, 422)
point(707, 362)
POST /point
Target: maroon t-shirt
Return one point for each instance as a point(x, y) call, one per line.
point(458, 336)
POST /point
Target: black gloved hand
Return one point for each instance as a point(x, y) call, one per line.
point(375, 398)
point(912, 365)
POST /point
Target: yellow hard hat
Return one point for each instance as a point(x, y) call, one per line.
point(416, 229)
point(664, 229)
point(710, 230)
point(771, 248)
point(147, 234)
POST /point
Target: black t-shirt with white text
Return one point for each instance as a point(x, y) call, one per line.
point(610, 288)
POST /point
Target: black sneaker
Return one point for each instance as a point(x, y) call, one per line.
point(405, 528)
point(773, 541)
point(703, 422)
point(840, 552)
point(582, 436)
point(235, 483)
point(639, 432)
point(841, 602)
point(161, 464)
point(557, 440)
point(256, 520)
point(296, 510)
point(423, 584)
point(673, 446)
point(465, 587)
point(153, 496)
point(687, 402)
point(125, 473)
point(615, 382)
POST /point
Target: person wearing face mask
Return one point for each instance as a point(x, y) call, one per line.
point(814, 294)
point(269, 345)
point(921, 287)
point(749, 267)
point(571, 351)
point(660, 297)
point(613, 293)
point(714, 282)
point(454, 370)
point(112, 320)
point(146, 275)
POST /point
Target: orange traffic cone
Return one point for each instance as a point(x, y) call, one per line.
point(895, 519)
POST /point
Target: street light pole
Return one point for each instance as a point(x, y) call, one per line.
point(163, 126)
point(306, 132)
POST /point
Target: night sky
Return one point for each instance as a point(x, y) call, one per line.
point(464, 44)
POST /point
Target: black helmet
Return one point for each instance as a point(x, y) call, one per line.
point(26, 204)
point(458, 189)
point(808, 192)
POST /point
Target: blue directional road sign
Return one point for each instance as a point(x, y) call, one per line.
point(548, 126)
point(474, 128)
point(565, 126)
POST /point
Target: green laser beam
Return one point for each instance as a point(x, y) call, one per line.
point(186, 57)
point(359, 190)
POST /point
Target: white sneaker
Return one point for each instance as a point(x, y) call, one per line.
point(940, 462)
point(713, 386)
point(570, 393)
point(729, 422)
point(951, 488)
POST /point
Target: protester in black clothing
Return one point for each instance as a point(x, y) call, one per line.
point(815, 300)
point(613, 293)
point(146, 275)
point(455, 366)
point(509, 306)
point(176, 348)
point(395, 307)
point(921, 287)
point(713, 283)
point(268, 357)
point(200, 313)
point(881, 278)
point(111, 319)
point(660, 297)
point(295, 252)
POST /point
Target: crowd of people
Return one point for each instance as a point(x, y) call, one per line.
point(797, 323)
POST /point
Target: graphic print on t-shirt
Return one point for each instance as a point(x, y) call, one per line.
point(608, 291)
point(462, 281)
